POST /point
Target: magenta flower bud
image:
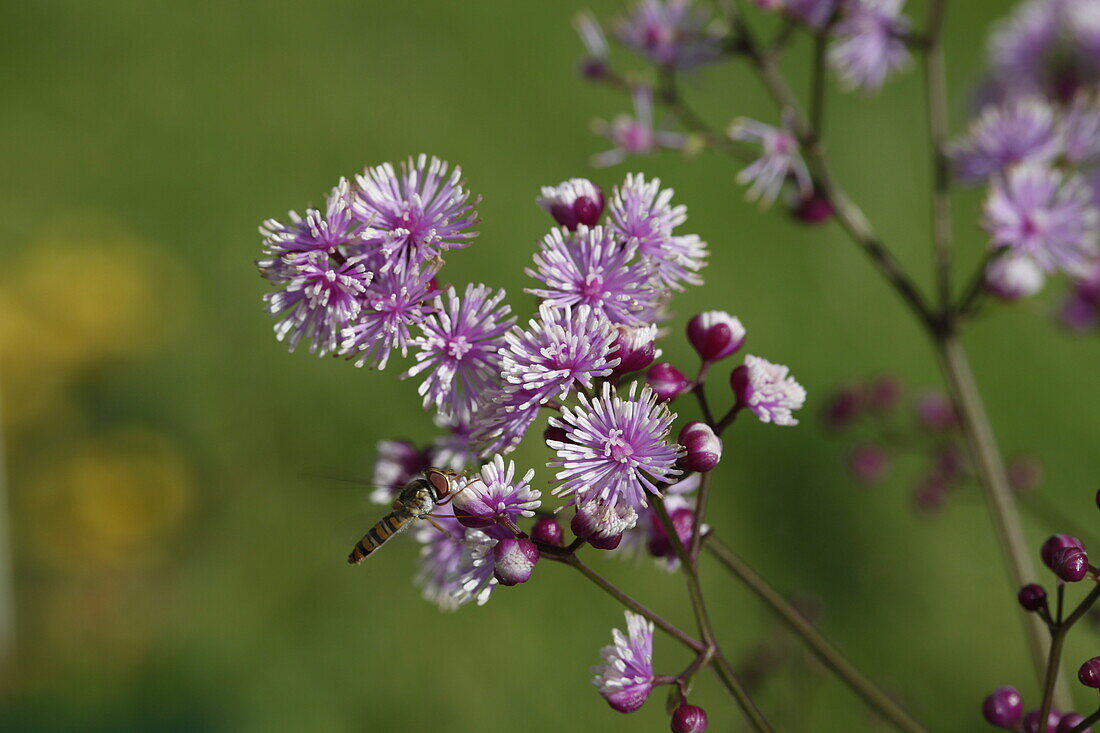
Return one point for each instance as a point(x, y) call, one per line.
point(741, 384)
point(1032, 597)
point(704, 448)
point(666, 381)
point(548, 531)
point(1089, 674)
point(601, 524)
point(635, 347)
point(1071, 564)
point(1071, 721)
point(812, 209)
point(683, 520)
point(868, 462)
point(1003, 707)
point(1031, 721)
point(1054, 545)
point(513, 560)
point(593, 68)
point(689, 719)
point(573, 202)
point(715, 335)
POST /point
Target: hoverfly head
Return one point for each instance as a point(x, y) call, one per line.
point(441, 481)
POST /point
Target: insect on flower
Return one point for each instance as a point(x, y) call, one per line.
point(434, 487)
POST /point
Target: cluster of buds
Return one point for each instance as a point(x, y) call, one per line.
point(1004, 708)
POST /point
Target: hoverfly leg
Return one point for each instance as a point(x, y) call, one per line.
point(451, 496)
point(441, 529)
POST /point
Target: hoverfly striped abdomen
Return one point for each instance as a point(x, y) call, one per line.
point(415, 501)
point(377, 535)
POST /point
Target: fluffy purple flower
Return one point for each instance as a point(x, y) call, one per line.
point(870, 43)
point(392, 305)
point(397, 462)
point(617, 449)
point(780, 159)
point(475, 569)
point(320, 297)
point(634, 135)
point(671, 33)
point(458, 349)
point(590, 267)
point(573, 202)
point(316, 232)
point(454, 450)
point(625, 677)
point(503, 419)
point(441, 560)
point(1019, 131)
point(642, 211)
point(767, 390)
point(413, 217)
point(494, 494)
point(1081, 129)
point(1013, 277)
point(1042, 214)
point(814, 13)
point(563, 348)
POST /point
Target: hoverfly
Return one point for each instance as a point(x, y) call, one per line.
point(434, 487)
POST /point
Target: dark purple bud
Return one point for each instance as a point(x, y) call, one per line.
point(1054, 545)
point(513, 560)
point(689, 719)
point(1089, 674)
point(812, 209)
point(1071, 564)
point(573, 202)
point(1031, 721)
point(667, 381)
point(704, 448)
point(741, 384)
point(555, 433)
point(868, 462)
point(884, 393)
point(636, 348)
point(1032, 597)
point(935, 411)
point(683, 520)
point(1071, 721)
point(715, 334)
point(547, 531)
point(593, 68)
point(1003, 707)
point(843, 408)
point(602, 525)
point(1024, 473)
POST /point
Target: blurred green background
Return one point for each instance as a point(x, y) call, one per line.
point(176, 564)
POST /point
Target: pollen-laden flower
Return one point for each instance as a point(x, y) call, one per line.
point(391, 306)
point(316, 232)
point(495, 495)
point(1081, 128)
point(320, 297)
point(615, 449)
point(625, 677)
point(1042, 214)
point(671, 33)
point(397, 462)
point(768, 390)
point(562, 349)
point(634, 135)
point(412, 218)
point(780, 159)
point(458, 349)
point(870, 43)
point(1018, 131)
point(642, 211)
point(591, 267)
point(503, 420)
point(573, 202)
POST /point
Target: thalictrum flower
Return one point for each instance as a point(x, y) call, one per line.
point(441, 559)
point(634, 135)
point(1013, 276)
point(1019, 131)
point(869, 43)
point(413, 217)
point(625, 677)
point(767, 390)
point(616, 449)
point(780, 159)
point(394, 303)
point(562, 349)
point(1043, 214)
point(458, 348)
point(316, 231)
point(595, 43)
point(496, 494)
point(671, 33)
point(502, 419)
point(573, 202)
point(642, 211)
point(1081, 129)
point(475, 568)
point(591, 267)
point(814, 13)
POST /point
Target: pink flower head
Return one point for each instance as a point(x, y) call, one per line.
point(767, 390)
point(779, 161)
point(634, 135)
point(625, 677)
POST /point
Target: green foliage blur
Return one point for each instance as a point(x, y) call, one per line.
point(178, 550)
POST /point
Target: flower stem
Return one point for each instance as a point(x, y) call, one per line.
point(826, 652)
point(1054, 657)
point(935, 84)
point(1084, 724)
